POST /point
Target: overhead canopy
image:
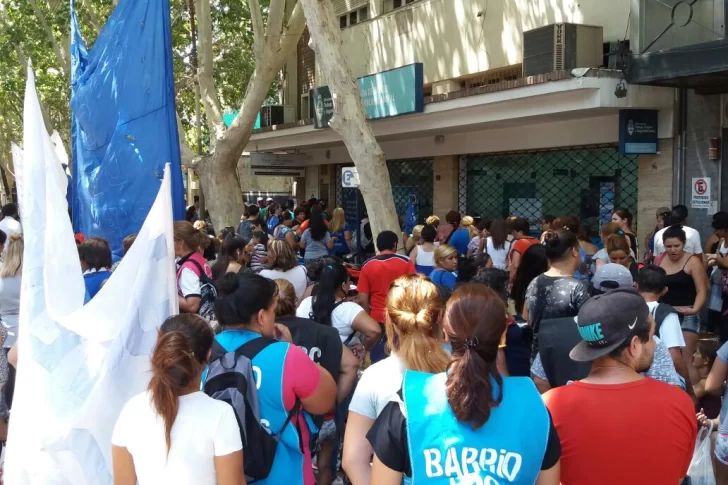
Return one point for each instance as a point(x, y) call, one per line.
point(703, 67)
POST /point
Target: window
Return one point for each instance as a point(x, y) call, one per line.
point(401, 3)
point(305, 107)
point(354, 17)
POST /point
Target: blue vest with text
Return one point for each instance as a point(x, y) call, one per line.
point(268, 369)
point(508, 449)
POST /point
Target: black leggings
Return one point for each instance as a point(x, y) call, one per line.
point(10, 384)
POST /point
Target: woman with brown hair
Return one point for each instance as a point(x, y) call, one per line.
point(192, 269)
point(445, 231)
point(283, 263)
point(459, 424)
point(601, 257)
point(618, 250)
point(414, 339)
point(173, 432)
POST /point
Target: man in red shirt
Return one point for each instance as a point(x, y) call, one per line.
point(520, 229)
point(616, 426)
point(375, 279)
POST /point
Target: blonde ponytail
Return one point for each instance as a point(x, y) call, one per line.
point(413, 327)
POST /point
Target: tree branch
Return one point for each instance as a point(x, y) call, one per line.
point(62, 61)
point(258, 29)
point(291, 34)
point(276, 13)
point(205, 71)
point(185, 152)
point(93, 18)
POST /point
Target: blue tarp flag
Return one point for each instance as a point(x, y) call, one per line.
point(410, 216)
point(124, 128)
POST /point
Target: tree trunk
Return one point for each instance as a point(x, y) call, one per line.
point(225, 200)
point(349, 119)
point(218, 171)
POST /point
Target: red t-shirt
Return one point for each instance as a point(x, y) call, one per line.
point(377, 275)
point(521, 246)
point(628, 434)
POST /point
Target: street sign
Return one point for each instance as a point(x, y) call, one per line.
point(290, 165)
point(349, 177)
point(701, 193)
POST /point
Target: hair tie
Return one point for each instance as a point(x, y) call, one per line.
point(330, 267)
point(620, 232)
point(545, 242)
point(472, 342)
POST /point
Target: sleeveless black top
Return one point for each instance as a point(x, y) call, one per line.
point(681, 289)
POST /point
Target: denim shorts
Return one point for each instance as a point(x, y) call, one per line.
point(691, 323)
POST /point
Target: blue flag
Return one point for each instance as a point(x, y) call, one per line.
point(124, 128)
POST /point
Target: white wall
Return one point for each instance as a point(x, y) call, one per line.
point(452, 41)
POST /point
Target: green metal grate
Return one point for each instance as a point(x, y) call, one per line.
point(588, 182)
point(413, 177)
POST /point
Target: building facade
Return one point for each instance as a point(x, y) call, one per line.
point(519, 114)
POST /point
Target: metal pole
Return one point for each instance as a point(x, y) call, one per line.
point(359, 249)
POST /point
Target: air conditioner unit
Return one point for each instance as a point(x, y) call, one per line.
point(277, 114)
point(561, 47)
point(271, 115)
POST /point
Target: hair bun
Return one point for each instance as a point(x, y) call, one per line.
point(16, 236)
point(228, 284)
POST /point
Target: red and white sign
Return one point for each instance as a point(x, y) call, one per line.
point(701, 193)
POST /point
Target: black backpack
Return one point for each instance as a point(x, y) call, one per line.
point(208, 292)
point(661, 311)
point(230, 378)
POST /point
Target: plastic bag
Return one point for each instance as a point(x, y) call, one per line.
point(701, 466)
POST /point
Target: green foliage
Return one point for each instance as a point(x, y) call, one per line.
point(21, 33)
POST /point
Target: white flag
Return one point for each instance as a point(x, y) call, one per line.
point(79, 364)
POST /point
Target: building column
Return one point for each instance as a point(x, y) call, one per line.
point(445, 186)
point(654, 189)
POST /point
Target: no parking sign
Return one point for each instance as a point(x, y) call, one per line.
point(701, 193)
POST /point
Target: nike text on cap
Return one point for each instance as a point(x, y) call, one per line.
point(606, 321)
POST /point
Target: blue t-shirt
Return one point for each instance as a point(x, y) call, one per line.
point(444, 278)
point(459, 240)
point(273, 223)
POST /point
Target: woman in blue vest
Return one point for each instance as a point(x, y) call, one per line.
point(468, 425)
point(246, 310)
point(338, 229)
point(446, 264)
point(284, 230)
point(273, 217)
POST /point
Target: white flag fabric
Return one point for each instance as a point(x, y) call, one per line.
point(79, 364)
point(18, 167)
point(59, 148)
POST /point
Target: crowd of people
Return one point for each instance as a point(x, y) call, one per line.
point(468, 351)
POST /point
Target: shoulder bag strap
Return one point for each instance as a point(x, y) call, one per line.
point(254, 347)
point(447, 240)
point(203, 275)
point(217, 351)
